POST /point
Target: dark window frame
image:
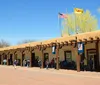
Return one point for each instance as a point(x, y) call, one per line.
point(65, 56)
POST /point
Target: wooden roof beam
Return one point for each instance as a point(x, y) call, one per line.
point(35, 47)
point(44, 47)
point(52, 44)
point(62, 43)
point(27, 47)
point(48, 45)
point(38, 46)
point(18, 48)
point(85, 39)
point(31, 48)
point(97, 38)
point(91, 38)
point(72, 40)
point(66, 42)
point(57, 43)
point(80, 40)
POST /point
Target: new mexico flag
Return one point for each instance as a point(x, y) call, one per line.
point(78, 10)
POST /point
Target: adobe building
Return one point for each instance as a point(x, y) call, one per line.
point(66, 48)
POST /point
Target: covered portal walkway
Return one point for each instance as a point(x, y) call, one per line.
point(65, 49)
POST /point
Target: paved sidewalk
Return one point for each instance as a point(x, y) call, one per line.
point(37, 76)
point(63, 71)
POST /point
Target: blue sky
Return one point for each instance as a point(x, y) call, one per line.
point(37, 19)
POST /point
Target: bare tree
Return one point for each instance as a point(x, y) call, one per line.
point(4, 43)
point(26, 41)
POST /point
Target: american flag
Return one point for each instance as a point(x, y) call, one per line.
point(62, 15)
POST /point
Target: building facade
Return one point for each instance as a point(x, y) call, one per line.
point(65, 49)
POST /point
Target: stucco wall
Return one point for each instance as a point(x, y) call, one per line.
point(27, 54)
point(89, 46)
point(49, 50)
point(68, 48)
point(61, 53)
point(38, 53)
point(19, 55)
point(99, 53)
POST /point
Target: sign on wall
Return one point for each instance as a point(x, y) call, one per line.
point(53, 50)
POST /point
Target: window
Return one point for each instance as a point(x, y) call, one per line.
point(46, 56)
point(68, 55)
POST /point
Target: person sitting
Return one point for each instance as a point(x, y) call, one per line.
point(52, 63)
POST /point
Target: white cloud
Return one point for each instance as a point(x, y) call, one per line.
point(98, 10)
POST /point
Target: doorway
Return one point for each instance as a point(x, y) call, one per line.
point(46, 56)
point(91, 54)
point(33, 59)
point(5, 60)
point(23, 57)
point(0, 59)
point(11, 59)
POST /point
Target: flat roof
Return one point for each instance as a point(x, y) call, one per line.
point(79, 36)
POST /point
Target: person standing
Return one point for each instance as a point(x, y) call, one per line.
point(55, 62)
point(52, 63)
point(5, 62)
point(28, 63)
point(15, 64)
point(85, 64)
point(91, 64)
point(39, 63)
point(24, 62)
point(82, 65)
point(47, 64)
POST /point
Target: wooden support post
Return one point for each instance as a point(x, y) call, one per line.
point(2, 59)
point(7, 59)
point(30, 58)
point(78, 63)
point(8, 56)
point(22, 56)
point(57, 57)
point(13, 55)
point(42, 59)
point(78, 58)
point(97, 55)
point(21, 61)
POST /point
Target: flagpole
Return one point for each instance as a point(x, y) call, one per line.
point(59, 26)
point(75, 24)
point(75, 20)
point(68, 27)
point(78, 56)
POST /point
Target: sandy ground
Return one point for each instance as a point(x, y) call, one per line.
point(36, 76)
